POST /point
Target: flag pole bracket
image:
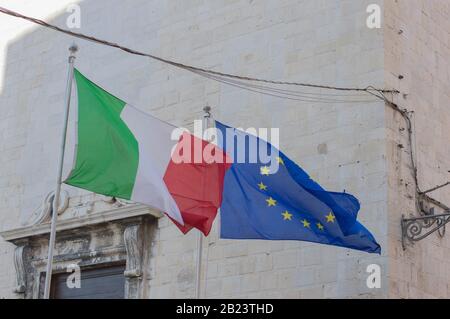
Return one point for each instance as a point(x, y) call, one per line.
point(415, 229)
point(418, 228)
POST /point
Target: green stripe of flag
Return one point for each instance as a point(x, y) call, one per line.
point(107, 153)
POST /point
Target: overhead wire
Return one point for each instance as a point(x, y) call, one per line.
point(282, 93)
point(179, 64)
point(239, 82)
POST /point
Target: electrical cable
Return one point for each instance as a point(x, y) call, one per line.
point(419, 193)
point(237, 81)
point(175, 63)
point(280, 93)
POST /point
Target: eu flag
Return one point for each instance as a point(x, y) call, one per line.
point(281, 202)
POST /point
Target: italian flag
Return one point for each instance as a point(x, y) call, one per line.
point(123, 152)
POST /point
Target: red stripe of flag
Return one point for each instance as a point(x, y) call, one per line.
point(197, 187)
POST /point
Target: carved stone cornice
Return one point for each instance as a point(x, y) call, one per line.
point(94, 231)
point(43, 213)
point(111, 241)
point(76, 222)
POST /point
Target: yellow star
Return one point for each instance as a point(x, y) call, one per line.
point(271, 202)
point(265, 170)
point(320, 226)
point(330, 218)
point(280, 160)
point(287, 215)
point(306, 224)
point(262, 186)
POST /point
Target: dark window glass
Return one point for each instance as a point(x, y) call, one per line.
point(96, 283)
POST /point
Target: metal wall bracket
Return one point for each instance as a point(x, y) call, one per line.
point(418, 228)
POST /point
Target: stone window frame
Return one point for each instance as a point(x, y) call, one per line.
point(132, 226)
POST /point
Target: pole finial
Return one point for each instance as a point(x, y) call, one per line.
point(207, 110)
point(73, 48)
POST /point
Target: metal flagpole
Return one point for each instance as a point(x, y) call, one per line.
point(206, 116)
point(199, 264)
point(51, 245)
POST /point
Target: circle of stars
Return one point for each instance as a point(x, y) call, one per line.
point(328, 218)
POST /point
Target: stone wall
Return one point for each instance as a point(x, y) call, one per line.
point(342, 145)
point(417, 48)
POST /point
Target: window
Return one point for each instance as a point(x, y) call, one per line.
point(96, 283)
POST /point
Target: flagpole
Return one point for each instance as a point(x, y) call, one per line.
point(51, 245)
point(206, 116)
point(199, 264)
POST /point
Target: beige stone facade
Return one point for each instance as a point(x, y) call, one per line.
point(417, 47)
point(360, 147)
